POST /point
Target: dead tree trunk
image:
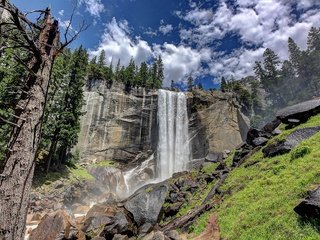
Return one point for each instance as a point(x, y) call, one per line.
point(16, 177)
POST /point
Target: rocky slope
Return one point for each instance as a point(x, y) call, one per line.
point(249, 195)
point(119, 126)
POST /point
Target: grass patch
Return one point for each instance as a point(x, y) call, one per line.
point(66, 174)
point(263, 195)
point(105, 163)
point(209, 168)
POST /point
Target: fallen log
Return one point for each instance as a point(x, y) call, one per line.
point(186, 219)
point(215, 188)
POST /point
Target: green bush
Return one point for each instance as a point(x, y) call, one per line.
point(299, 152)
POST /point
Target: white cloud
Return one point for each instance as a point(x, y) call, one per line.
point(61, 12)
point(260, 23)
point(180, 61)
point(94, 7)
point(118, 45)
point(165, 29)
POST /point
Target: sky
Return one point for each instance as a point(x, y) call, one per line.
point(206, 39)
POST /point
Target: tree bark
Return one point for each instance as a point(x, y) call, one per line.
point(17, 174)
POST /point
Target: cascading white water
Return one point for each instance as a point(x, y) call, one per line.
point(173, 145)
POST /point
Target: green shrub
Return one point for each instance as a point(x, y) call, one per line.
point(299, 152)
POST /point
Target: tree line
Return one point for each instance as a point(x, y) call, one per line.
point(285, 82)
point(149, 77)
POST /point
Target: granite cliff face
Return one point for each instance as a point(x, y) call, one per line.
point(119, 126)
point(216, 123)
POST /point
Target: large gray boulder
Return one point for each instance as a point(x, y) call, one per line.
point(146, 204)
point(299, 112)
point(310, 206)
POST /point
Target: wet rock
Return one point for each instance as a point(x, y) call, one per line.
point(55, 226)
point(145, 204)
point(310, 206)
point(291, 141)
point(299, 112)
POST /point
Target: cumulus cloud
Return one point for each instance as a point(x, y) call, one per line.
point(117, 44)
point(94, 7)
point(165, 29)
point(180, 61)
point(259, 24)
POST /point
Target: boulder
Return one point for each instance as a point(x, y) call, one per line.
point(55, 226)
point(121, 224)
point(213, 157)
point(259, 141)
point(158, 235)
point(292, 140)
point(145, 204)
point(98, 216)
point(271, 126)
point(310, 206)
point(299, 112)
point(242, 152)
point(173, 235)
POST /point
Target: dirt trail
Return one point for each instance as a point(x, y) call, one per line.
point(210, 233)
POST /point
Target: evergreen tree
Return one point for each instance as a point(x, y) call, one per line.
point(63, 113)
point(160, 73)
point(154, 75)
point(190, 82)
point(143, 74)
point(223, 84)
point(172, 85)
point(117, 71)
point(294, 56)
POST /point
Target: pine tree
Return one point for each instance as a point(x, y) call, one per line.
point(160, 73)
point(190, 82)
point(117, 71)
point(143, 74)
point(154, 74)
point(223, 84)
point(294, 55)
point(313, 41)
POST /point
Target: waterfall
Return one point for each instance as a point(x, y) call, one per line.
point(173, 145)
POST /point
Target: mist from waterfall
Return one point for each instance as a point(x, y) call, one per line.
point(173, 146)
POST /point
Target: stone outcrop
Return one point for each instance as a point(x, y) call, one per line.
point(216, 123)
point(299, 112)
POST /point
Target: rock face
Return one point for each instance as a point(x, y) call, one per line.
point(299, 112)
point(310, 206)
point(216, 123)
point(119, 125)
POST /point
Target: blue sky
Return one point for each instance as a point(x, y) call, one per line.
point(205, 38)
